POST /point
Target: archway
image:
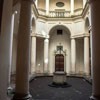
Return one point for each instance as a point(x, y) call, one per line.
point(87, 24)
point(33, 25)
point(59, 36)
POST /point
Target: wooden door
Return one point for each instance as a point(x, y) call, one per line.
point(59, 62)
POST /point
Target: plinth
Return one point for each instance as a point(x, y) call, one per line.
point(59, 80)
point(59, 77)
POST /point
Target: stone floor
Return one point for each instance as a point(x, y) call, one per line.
point(80, 89)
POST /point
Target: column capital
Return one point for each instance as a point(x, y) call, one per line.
point(73, 38)
point(33, 34)
point(86, 35)
point(46, 40)
point(47, 37)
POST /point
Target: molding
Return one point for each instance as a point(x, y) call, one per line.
point(39, 35)
point(35, 10)
point(80, 35)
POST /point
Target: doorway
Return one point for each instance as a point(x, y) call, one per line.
point(59, 62)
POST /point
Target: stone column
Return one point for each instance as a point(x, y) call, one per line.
point(73, 55)
point(33, 55)
point(12, 30)
point(23, 52)
point(86, 56)
point(95, 24)
point(5, 47)
point(47, 7)
point(46, 55)
point(91, 53)
point(72, 7)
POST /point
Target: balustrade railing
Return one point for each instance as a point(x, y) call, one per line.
point(60, 14)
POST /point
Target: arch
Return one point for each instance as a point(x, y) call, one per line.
point(63, 27)
point(33, 25)
point(87, 24)
point(55, 40)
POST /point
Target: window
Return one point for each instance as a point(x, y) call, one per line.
point(59, 32)
point(59, 4)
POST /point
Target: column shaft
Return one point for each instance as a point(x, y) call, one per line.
point(73, 55)
point(86, 56)
point(47, 7)
point(46, 55)
point(33, 55)
point(12, 30)
point(23, 52)
point(91, 54)
point(95, 23)
point(5, 47)
point(72, 7)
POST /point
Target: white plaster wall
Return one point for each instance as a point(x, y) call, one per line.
point(41, 27)
point(78, 27)
point(54, 41)
point(53, 5)
point(78, 4)
point(41, 4)
point(79, 56)
point(39, 55)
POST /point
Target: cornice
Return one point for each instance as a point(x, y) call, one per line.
point(35, 10)
point(46, 18)
point(86, 8)
point(72, 18)
point(80, 35)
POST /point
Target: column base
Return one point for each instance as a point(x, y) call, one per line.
point(87, 75)
point(95, 97)
point(22, 97)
